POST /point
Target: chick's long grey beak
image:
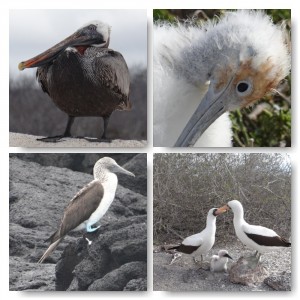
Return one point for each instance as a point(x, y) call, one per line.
point(211, 107)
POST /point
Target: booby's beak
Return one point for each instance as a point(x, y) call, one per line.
point(79, 38)
point(119, 169)
point(212, 106)
point(227, 255)
point(221, 210)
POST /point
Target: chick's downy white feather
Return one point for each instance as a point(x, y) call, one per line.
point(233, 61)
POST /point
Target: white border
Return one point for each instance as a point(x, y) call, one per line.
point(5, 5)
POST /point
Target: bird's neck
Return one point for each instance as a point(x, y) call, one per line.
point(109, 180)
point(211, 223)
point(239, 217)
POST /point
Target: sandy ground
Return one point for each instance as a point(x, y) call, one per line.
point(185, 275)
point(25, 140)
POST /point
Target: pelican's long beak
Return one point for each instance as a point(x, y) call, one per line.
point(119, 169)
point(211, 107)
point(222, 210)
point(76, 39)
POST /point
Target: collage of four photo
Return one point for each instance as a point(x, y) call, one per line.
point(96, 196)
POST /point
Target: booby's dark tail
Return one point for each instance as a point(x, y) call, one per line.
point(50, 249)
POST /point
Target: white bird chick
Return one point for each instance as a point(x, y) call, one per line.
point(219, 262)
point(202, 72)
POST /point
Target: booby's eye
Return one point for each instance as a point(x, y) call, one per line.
point(244, 88)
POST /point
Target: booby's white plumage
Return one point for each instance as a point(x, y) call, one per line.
point(202, 242)
point(259, 238)
point(90, 204)
point(200, 72)
point(219, 262)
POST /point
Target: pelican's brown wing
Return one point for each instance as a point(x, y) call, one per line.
point(112, 70)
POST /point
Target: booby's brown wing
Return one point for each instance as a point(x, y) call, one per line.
point(274, 241)
point(80, 208)
point(187, 249)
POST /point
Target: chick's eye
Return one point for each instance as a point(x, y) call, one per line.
point(244, 88)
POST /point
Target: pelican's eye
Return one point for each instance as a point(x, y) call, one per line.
point(244, 88)
point(92, 27)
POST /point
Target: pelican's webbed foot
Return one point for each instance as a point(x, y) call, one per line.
point(52, 139)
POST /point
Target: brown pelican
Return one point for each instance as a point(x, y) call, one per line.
point(83, 76)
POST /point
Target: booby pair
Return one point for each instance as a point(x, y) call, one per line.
point(259, 238)
point(90, 204)
point(219, 262)
point(203, 241)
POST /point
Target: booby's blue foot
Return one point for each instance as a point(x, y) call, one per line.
point(89, 228)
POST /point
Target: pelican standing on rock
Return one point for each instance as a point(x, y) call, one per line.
point(259, 238)
point(219, 262)
point(201, 242)
point(83, 77)
point(202, 72)
point(90, 204)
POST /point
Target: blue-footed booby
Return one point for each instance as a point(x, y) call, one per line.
point(83, 77)
point(259, 238)
point(90, 204)
point(218, 262)
point(201, 242)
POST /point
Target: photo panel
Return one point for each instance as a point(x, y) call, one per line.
point(76, 80)
point(221, 222)
point(221, 78)
point(78, 222)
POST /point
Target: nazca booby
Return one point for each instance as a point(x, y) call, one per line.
point(203, 241)
point(218, 262)
point(90, 204)
point(259, 238)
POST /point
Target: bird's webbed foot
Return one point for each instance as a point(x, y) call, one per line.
point(89, 228)
point(52, 139)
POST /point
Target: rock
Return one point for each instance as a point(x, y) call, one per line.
point(113, 246)
point(80, 162)
point(280, 282)
point(118, 279)
point(136, 285)
point(30, 276)
point(38, 196)
point(246, 271)
point(137, 165)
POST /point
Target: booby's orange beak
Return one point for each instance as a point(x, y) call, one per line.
point(222, 210)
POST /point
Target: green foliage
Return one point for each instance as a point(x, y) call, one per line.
point(163, 14)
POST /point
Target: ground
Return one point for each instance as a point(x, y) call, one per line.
point(185, 275)
point(26, 140)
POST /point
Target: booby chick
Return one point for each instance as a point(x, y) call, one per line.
point(90, 204)
point(201, 242)
point(259, 238)
point(219, 262)
point(201, 72)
